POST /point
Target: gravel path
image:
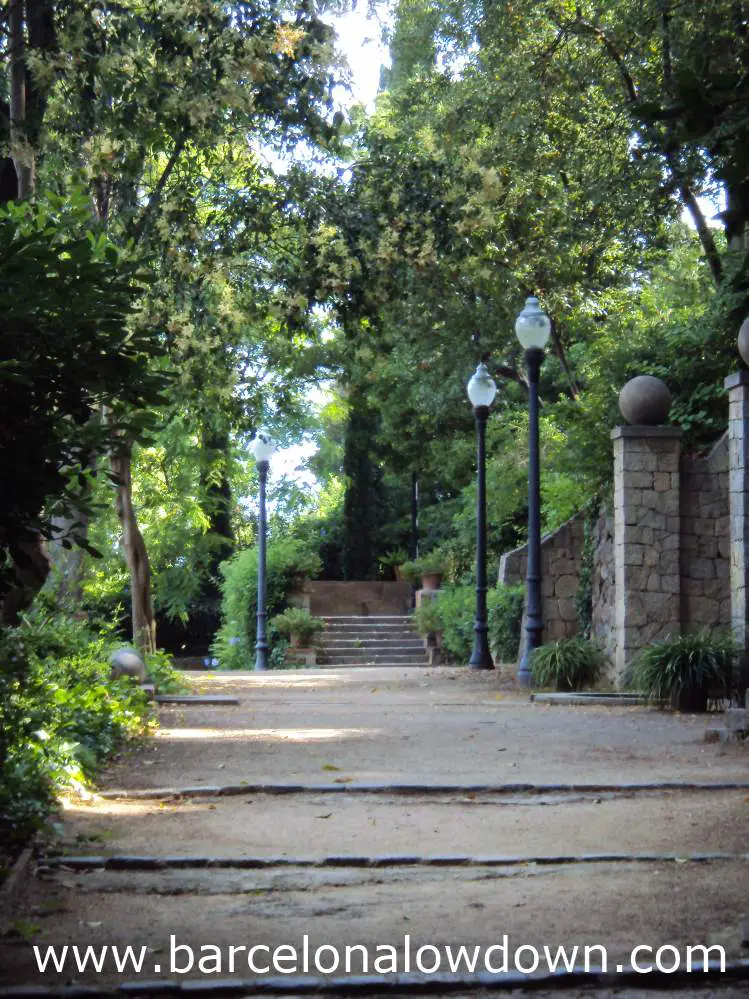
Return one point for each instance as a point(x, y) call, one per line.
point(443, 864)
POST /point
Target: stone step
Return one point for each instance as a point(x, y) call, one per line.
point(368, 664)
point(402, 659)
point(354, 630)
point(393, 651)
point(409, 641)
point(387, 618)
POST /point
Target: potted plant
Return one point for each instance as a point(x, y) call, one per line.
point(298, 625)
point(689, 671)
point(429, 568)
point(392, 563)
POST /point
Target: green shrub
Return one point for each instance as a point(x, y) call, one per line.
point(505, 611)
point(163, 675)
point(428, 617)
point(287, 560)
point(453, 615)
point(61, 715)
point(298, 623)
point(689, 671)
point(567, 664)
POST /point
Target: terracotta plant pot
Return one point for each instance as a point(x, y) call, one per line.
point(431, 580)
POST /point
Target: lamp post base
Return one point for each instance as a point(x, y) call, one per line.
point(261, 658)
point(478, 662)
point(524, 675)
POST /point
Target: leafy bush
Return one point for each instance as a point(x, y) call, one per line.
point(505, 609)
point(453, 614)
point(689, 671)
point(567, 664)
point(428, 617)
point(162, 674)
point(60, 716)
point(287, 560)
point(298, 623)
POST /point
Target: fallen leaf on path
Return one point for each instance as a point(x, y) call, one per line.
point(324, 816)
point(343, 780)
point(329, 766)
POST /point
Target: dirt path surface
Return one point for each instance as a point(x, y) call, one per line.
point(524, 859)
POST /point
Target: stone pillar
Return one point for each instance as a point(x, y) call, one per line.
point(646, 538)
point(738, 478)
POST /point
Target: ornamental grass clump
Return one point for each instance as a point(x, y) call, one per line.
point(688, 673)
point(569, 664)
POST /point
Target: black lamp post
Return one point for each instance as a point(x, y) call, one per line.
point(263, 449)
point(481, 392)
point(532, 328)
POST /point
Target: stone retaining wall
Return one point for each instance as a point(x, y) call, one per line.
point(561, 560)
point(687, 506)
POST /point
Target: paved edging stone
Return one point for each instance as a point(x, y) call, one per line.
point(149, 863)
point(227, 790)
point(735, 971)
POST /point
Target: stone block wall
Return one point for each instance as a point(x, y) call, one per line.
point(675, 525)
point(705, 540)
point(561, 560)
point(647, 539)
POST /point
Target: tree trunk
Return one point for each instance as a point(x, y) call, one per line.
point(30, 570)
point(20, 148)
point(136, 556)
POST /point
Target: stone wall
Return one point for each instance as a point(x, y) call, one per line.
point(561, 559)
point(646, 539)
point(705, 541)
point(336, 599)
point(685, 574)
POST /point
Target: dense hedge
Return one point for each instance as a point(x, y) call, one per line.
point(60, 715)
point(287, 560)
point(453, 612)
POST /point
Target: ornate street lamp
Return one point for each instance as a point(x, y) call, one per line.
point(263, 448)
point(533, 328)
point(481, 392)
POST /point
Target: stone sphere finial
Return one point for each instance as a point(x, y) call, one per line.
point(645, 401)
point(744, 340)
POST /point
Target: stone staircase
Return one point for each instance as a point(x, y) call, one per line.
point(387, 640)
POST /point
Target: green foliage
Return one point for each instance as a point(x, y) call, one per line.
point(687, 672)
point(584, 594)
point(505, 612)
point(452, 615)
point(67, 301)
point(287, 561)
point(567, 664)
point(60, 716)
point(299, 624)
point(162, 674)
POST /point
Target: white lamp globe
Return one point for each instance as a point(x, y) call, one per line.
point(481, 387)
point(533, 327)
point(262, 446)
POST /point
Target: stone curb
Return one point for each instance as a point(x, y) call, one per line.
point(215, 699)
point(596, 700)
point(412, 984)
point(226, 790)
point(151, 863)
point(12, 884)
